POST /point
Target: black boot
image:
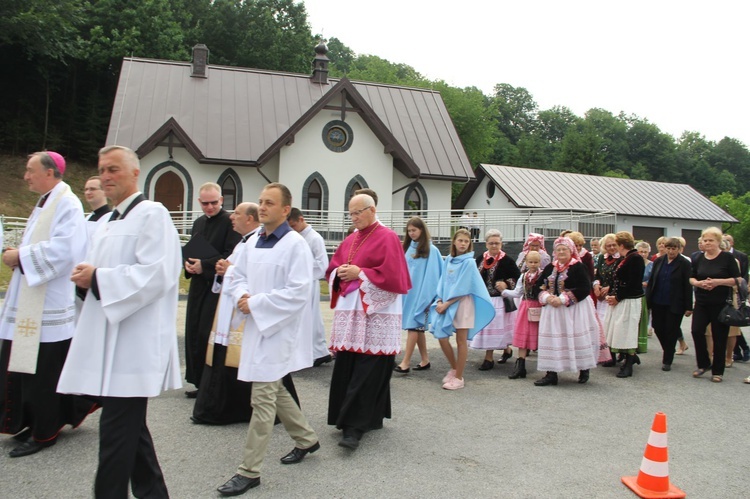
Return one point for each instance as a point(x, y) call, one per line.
point(626, 370)
point(504, 358)
point(611, 362)
point(583, 376)
point(520, 370)
point(620, 357)
point(549, 379)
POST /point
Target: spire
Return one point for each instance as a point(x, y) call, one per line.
point(320, 64)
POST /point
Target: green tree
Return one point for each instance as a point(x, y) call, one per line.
point(732, 156)
point(123, 28)
point(582, 151)
point(472, 120)
point(653, 149)
point(341, 57)
point(739, 208)
point(613, 131)
point(515, 111)
point(376, 69)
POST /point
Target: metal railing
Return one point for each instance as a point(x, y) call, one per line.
point(334, 225)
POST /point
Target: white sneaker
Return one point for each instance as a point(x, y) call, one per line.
point(451, 375)
point(454, 384)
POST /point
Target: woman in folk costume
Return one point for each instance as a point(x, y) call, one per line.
point(463, 306)
point(526, 330)
point(624, 313)
point(534, 242)
point(604, 278)
point(425, 267)
point(588, 261)
point(568, 329)
point(498, 273)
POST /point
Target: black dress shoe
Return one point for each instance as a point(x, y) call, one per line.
point(487, 365)
point(666, 367)
point(22, 436)
point(583, 376)
point(298, 454)
point(191, 394)
point(237, 485)
point(322, 360)
point(349, 441)
point(401, 371)
point(195, 420)
point(420, 367)
point(30, 447)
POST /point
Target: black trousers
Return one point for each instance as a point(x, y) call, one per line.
point(667, 328)
point(703, 315)
point(126, 452)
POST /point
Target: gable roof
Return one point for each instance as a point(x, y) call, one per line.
point(530, 188)
point(244, 116)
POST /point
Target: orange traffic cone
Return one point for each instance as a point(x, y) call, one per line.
point(652, 481)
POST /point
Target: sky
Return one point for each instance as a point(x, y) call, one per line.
point(680, 65)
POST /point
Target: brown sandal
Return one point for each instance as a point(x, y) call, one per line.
point(716, 378)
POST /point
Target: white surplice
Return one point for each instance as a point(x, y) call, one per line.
point(126, 342)
point(226, 307)
point(277, 338)
point(320, 265)
point(50, 262)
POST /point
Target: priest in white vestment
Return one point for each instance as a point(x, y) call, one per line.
point(125, 348)
point(317, 245)
point(271, 287)
point(38, 317)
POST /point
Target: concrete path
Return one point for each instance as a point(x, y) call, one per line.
point(495, 438)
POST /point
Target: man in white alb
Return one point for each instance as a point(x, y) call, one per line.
point(125, 348)
point(320, 265)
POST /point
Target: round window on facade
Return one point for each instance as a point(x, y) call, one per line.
point(337, 136)
point(490, 189)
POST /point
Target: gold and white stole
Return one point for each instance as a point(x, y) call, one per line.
point(28, 330)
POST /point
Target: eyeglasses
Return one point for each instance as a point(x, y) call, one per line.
point(210, 203)
point(357, 213)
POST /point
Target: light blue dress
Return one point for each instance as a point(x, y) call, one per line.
point(425, 275)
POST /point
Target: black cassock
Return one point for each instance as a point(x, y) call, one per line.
point(201, 305)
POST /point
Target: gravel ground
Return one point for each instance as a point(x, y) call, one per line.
point(496, 437)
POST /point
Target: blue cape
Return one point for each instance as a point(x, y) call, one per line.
point(425, 275)
point(461, 278)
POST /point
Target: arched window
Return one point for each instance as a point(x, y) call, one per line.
point(354, 185)
point(415, 200)
point(315, 195)
point(231, 189)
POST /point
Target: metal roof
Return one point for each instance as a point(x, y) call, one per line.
point(238, 115)
point(530, 188)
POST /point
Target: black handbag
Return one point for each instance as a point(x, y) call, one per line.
point(510, 305)
point(739, 316)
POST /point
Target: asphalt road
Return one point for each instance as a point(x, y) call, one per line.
point(496, 437)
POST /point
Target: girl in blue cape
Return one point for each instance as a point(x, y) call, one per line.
point(463, 305)
point(425, 267)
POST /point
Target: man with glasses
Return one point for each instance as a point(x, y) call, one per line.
point(215, 228)
point(367, 276)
